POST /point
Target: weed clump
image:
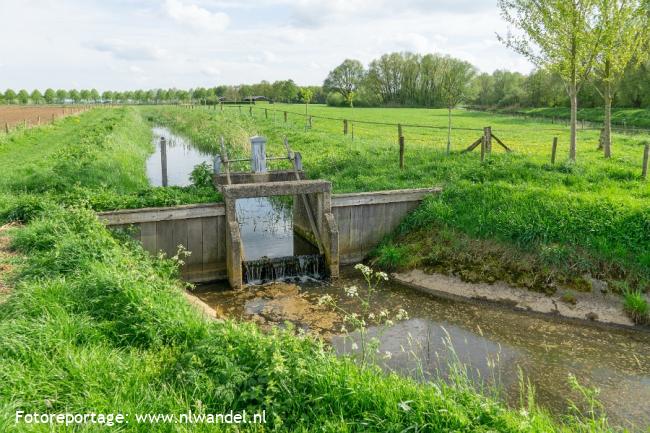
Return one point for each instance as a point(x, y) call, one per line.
point(636, 306)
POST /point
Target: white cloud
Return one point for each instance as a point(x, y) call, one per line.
point(196, 17)
point(125, 50)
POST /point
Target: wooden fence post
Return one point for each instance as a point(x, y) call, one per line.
point(38, 120)
point(483, 146)
point(266, 113)
point(399, 131)
point(401, 152)
point(250, 110)
point(646, 156)
point(554, 150)
point(309, 122)
point(352, 126)
point(285, 117)
point(6, 127)
point(487, 133)
point(239, 108)
point(345, 127)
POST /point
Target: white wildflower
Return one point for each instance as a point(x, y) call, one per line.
point(354, 346)
point(387, 355)
point(382, 275)
point(351, 291)
point(371, 316)
point(401, 314)
point(325, 299)
point(389, 323)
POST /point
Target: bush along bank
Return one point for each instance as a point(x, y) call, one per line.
point(95, 324)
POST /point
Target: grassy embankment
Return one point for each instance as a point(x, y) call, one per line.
point(514, 217)
point(95, 325)
point(96, 159)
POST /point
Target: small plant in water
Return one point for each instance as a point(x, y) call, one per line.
point(360, 321)
point(636, 306)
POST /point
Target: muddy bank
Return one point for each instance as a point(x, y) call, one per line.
point(589, 306)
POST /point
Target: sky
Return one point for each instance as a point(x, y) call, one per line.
point(132, 44)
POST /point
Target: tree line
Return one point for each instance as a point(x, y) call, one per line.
point(281, 91)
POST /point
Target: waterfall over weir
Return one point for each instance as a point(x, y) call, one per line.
point(272, 250)
point(289, 269)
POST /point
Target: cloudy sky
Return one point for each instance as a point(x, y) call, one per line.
point(129, 44)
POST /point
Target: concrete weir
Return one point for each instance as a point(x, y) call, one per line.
point(343, 227)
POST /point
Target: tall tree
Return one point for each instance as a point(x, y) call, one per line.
point(560, 35)
point(23, 96)
point(10, 96)
point(345, 78)
point(624, 26)
point(36, 96)
point(49, 96)
point(61, 95)
point(455, 85)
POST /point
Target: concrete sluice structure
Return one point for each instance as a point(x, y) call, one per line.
point(343, 228)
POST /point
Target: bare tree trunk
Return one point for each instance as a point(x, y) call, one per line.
point(448, 130)
point(574, 121)
point(607, 127)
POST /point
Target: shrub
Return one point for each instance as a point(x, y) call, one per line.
point(201, 175)
point(636, 306)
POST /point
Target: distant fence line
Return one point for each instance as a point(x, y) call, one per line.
point(483, 142)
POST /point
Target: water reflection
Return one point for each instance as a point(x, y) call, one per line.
point(176, 159)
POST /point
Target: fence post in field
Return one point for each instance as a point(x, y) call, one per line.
point(646, 156)
point(163, 160)
point(38, 120)
point(401, 152)
point(554, 150)
point(487, 133)
point(25, 123)
point(239, 109)
point(250, 110)
point(6, 127)
point(285, 117)
point(483, 146)
point(352, 127)
point(345, 127)
point(266, 113)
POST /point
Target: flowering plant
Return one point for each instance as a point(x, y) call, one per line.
point(359, 322)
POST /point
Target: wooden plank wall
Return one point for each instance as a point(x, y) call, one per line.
point(364, 219)
point(199, 228)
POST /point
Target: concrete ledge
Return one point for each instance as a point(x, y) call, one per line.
point(268, 189)
point(239, 177)
point(152, 214)
point(382, 197)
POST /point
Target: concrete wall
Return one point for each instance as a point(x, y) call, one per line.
point(200, 228)
point(363, 219)
point(355, 225)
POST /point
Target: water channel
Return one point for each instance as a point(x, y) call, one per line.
point(494, 343)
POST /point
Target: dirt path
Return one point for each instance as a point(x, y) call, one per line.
point(6, 260)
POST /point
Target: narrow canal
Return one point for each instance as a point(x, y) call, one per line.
point(495, 344)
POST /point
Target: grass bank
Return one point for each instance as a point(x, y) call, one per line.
point(94, 324)
point(96, 159)
point(546, 225)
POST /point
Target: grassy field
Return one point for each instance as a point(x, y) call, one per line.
point(93, 324)
point(514, 217)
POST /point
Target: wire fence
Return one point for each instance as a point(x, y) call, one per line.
point(529, 138)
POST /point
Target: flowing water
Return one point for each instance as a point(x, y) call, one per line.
point(272, 250)
point(495, 343)
point(181, 157)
